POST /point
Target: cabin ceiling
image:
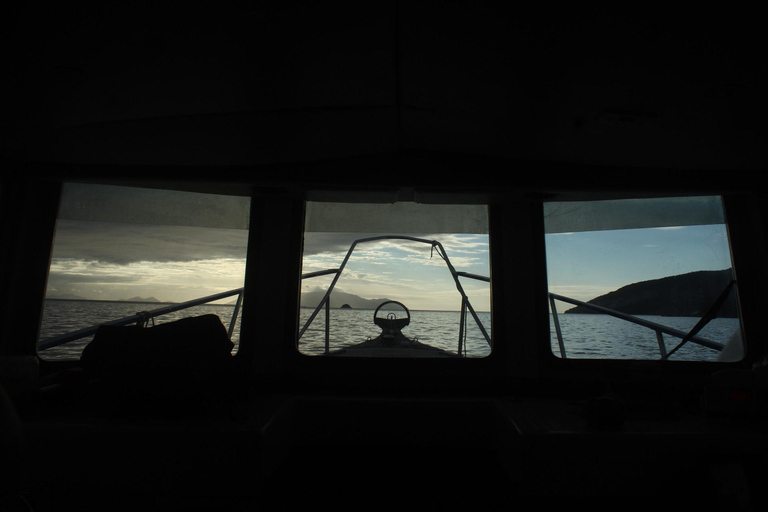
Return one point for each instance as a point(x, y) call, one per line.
point(261, 87)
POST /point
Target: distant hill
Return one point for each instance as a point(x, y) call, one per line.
point(682, 295)
point(339, 299)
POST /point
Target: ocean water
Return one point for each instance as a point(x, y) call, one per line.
point(437, 328)
point(585, 336)
point(348, 326)
point(607, 337)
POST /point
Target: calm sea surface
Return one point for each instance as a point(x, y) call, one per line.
point(604, 336)
point(348, 326)
point(437, 328)
point(585, 336)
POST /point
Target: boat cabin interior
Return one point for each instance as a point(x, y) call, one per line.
point(285, 124)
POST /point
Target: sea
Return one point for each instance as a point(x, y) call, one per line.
point(584, 336)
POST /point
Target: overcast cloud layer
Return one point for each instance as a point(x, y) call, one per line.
point(114, 261)
point(114, 243)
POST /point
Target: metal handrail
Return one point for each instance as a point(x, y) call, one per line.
point(658, 328)
point(325, 301)
point(142, 318)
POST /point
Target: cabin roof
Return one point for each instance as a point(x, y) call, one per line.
point(352, 91)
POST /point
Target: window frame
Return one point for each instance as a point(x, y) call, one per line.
point(372, 374)
point(606, 216)
point(744, 219)
point(78, 211)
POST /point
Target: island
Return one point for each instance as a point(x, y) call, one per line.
point(339, 299)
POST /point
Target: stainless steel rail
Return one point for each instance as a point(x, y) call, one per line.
point(142, 319)
point(436, 246)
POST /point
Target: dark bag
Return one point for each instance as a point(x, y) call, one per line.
point(182, 367)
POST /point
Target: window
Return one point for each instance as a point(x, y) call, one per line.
point(395, 280)
point(141, 256)
point(641, 279)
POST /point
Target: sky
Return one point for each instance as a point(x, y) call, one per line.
point(118, 261)
point(406, 271)
point(174, 263)
point(113, 261)
point(589, 264)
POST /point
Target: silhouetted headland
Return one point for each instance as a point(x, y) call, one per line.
point(689, 294)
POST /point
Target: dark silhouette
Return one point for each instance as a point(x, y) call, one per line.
point(180, 368)
point(689, 294)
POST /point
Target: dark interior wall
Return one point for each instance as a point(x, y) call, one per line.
point(27, 218)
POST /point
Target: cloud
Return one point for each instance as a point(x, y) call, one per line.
point(172, 281)
point(403, 269)
point(339, 243)
point(122, 244)
point(116, 260)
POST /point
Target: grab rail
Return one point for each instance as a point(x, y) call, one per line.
point(658, 328)
point(142, 319)
point(465, 304)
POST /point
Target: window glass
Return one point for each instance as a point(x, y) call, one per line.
point(395, 280)
point(641, 279)
point(120, 252)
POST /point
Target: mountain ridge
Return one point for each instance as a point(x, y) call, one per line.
point(338, 299)
point(690, 294)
